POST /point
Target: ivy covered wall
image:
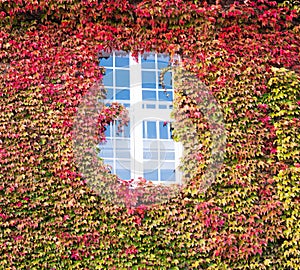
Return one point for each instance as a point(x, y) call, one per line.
point(246, 53)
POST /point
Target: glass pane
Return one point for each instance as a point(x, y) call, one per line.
point(150, 155)
point(123, 153)
point(150, 106)
point(170, 155)
point(162, 60)
point(149, 95)
point(110, 163)
point(167, 155)
point(124, 174)
point(163, 130)
point(167, 80)
point(167, 175)
point(108, 78)
point(107, 131)
point(148, 79)
point(123, 169)
point(167, 96)
point(123, 94)
point(122, 78)
point(151, 130)
point(110, 94)
point(106, 62)
point(122, 61)
point(106, 153)
point(151, 175)
point(126, 131)
point(148, 61)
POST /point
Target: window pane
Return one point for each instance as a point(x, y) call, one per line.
point(108, 78)
point(167, 155)
point(123, 153)
point(110, 93)
point(150, 106)
point(110, 163)
point(122, 78)
point(123, 166)
point(167, 175)
point(126, 130)
point(150, 155)
point(122, 61)
point(123, 174)
point(167, 96)
point(162, 60)
point(107, 131)
point(148, 79)
point(151, 130)
point(123, 94)
point(151, 175)
point(149, 95)
point(106, 153)
point(163, 130)
point(162, 106)
point(148, 61)
point(106, 62)
point(167, 80)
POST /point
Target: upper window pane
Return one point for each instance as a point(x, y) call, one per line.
point(162, 60)
point(148, 61)
point(106, 62)
point(122, 61)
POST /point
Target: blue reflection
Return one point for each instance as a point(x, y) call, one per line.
point(108, 78)
point(167, 175)
point(149, 95)
point(148, 61)
point(149, 79)
point(106, 62)
point(122, 78)
point(151, 130)
point(122, 61)
point(162, 60)
point(123, 94)
point(163, 130)
point(167, 96)
point(123, 174)
point(151, 175)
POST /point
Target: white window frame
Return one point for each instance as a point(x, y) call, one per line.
point(136, 120)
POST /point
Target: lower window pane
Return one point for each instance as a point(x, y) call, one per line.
point(167, 175)
point(149, 95)
point(151, 175)
point(123, 174)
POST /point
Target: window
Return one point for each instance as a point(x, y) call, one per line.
point(145, 147)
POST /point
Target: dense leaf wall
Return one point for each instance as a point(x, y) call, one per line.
point(248, 56)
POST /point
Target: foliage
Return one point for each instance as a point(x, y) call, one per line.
point(247, 219)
